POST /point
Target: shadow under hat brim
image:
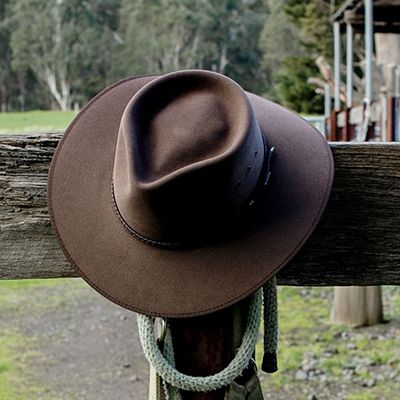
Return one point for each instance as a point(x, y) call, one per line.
point(185, 282)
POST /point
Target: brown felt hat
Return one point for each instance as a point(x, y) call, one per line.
point(167, 198)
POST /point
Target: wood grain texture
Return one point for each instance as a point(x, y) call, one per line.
point(28, 247)
point(356, 243)
point(205, 345)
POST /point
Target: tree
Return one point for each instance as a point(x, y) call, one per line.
point(59, 41)
point(161, 36)
point(7, 76)
point(279, 39)
point(313, 19)
point(293, 88)
point(166, 35)
point(58, 52)
point(235, 33)
point(305, 32)
point(295, 33)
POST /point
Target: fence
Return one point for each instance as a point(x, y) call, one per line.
point(318, 121)
point(356, 242)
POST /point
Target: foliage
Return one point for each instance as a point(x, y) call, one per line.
point(296, 32)
point(313, 19)
point(8, 87)
point(315, 38)
point(167, 35)
point(237, 25)
point(59, 52)
point(293, 88)
point(278, 40)
point(161, 36)
point(64, 43)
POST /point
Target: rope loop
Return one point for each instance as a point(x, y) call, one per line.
point(202, 383)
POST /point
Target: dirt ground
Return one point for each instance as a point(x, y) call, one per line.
point(85, 347)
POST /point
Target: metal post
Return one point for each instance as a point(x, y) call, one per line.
point(336, 55)
point(390, 81)
point(349, 64)
point(327, 110)
point(369, 32)
point(327, 102)
point(395, 116)
point(397, 81)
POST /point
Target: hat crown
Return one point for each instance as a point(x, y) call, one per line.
point(100, 190)
point(188, 155)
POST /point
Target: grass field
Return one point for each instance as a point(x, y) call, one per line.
point(37, 121)
point(34, 121)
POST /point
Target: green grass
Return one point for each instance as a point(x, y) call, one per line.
point(27, 283)
point(16, 381)
point(361, 396)
point(306, 336)
point(17, 354)
point(35, 121)
point(15, 294)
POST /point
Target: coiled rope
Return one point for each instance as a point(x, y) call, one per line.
point(164, 363)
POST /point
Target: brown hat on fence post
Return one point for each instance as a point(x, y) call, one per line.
point(158, 192)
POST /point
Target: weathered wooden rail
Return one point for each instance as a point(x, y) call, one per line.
point(356, 243)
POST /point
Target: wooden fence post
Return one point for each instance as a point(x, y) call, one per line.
point(205, 345)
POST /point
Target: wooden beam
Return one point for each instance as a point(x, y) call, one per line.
point(356, 8)
point(381, 15)
point(347, 5)
point(378, 28)
point(385, 16)
point(356, 242)
point(386, 3)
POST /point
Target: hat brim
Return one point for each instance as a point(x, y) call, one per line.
point(185, 282)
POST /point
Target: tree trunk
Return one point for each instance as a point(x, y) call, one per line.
point(21, 77)
point(357, 305)
point(3, 98)
point(223, 60)
point(62, 97)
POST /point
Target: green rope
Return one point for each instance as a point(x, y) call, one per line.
point(168, 352)
point(271, 330)
point(164, 362)
point(202, 383)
